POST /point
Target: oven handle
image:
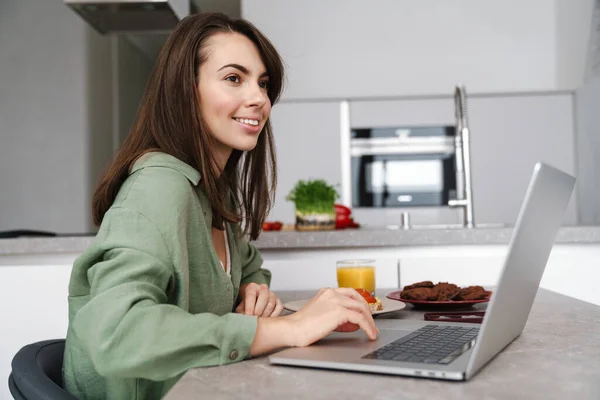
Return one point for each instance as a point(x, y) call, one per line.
point(366, 150)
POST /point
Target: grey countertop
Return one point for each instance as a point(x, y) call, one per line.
point(367, 237)
point(556, 357)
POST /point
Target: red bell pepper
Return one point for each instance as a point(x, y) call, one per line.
point(342, 210)
point(342, 221)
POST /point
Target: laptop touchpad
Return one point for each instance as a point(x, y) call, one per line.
point(359, 339)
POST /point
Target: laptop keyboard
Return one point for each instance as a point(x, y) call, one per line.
point(434, 344)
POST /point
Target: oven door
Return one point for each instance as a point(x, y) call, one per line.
point(402, 180)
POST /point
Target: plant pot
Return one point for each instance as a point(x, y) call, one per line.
point(315, 221)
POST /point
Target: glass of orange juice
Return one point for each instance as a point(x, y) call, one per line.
point(356, 274)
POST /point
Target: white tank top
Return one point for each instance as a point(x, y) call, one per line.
point(227, 267)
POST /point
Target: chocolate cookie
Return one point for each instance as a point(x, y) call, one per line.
point(423, 284)
point(419, 293)
point(445, 291)
point(472, 293)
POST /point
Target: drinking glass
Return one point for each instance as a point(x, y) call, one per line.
point(356, 274)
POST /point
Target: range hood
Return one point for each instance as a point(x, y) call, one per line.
point(131, 16)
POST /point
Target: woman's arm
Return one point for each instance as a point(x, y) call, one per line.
point(339, 309)
point(127, 326)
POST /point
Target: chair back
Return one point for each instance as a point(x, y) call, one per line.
point(37, 372)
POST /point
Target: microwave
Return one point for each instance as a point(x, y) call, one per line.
point(402, 166)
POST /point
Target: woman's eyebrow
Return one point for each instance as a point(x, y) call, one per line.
point(242, 69)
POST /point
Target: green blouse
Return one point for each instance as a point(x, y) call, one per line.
point(149, 299)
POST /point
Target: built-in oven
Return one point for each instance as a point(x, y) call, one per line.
point(402, 166)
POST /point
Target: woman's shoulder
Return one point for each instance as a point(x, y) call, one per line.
point(159, 185)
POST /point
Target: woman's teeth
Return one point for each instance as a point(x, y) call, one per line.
point(247, 121)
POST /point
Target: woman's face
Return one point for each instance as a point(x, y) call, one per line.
point(233, 84)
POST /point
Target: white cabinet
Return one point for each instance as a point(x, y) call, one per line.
point(34, 304)
point(307, 138)
point(462, 270)
point(508, 136)
point(572, 270)
point(315, 269)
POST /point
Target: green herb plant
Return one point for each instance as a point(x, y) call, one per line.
point(313, 197)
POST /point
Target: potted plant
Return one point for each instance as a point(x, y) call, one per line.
point(314, 200)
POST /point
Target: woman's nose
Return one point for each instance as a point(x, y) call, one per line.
point(256, 96)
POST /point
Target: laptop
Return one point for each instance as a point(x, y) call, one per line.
point(457, 351)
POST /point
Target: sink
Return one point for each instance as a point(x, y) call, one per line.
point(447, 226)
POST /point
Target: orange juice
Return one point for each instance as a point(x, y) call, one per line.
point(357, 277)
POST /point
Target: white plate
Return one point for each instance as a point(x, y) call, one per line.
point(389, 305)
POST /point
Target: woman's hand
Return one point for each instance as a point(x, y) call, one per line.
point(341, 309)
point(258, 300)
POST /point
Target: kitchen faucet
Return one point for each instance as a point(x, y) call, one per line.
point(464, 189)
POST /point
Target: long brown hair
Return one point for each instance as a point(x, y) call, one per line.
point(169, 120)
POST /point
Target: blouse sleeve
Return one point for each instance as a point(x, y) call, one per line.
point(127, 326)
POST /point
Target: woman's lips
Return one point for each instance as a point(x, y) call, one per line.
point(253, 129)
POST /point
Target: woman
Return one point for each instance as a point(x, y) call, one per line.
point(169, 282)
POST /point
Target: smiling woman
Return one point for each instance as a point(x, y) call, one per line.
point(171, 281)
point(231, 73)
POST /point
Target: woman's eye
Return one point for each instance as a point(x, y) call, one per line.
point(233, 78)
point(264, 84)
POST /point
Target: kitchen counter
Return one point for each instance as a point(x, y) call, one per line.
point(350, 238)
point(556, 357)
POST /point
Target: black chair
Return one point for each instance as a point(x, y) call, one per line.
point(37, 372)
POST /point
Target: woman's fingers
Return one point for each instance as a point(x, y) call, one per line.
point(349, 303)
point(260, 301)
point(355, 305)
point(262, 298)
point(241, 307)
point(250, 299)
point(270, 306)
point(361, 320)
point(359, 307)
point(278, 309)
point(353, 294)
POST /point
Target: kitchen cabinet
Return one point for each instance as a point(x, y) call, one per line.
point(571, 269)
point(34, 304)
point(509, 134)
point(355, 48)
point(308, 141)
point(460, 269)
point(315, 269)
point(587, 117)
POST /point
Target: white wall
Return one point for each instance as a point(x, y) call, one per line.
point(54, 95)
point(350, 48)
point(572, 34)
point(56, 113)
